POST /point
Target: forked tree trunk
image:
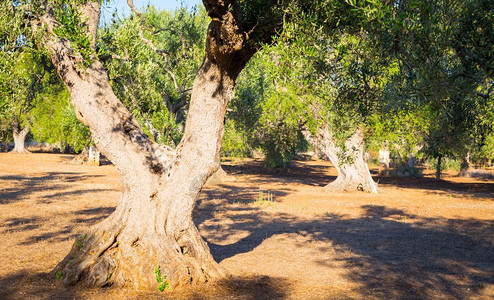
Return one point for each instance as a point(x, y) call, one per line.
point(152, 226)
point(19, 138)
point(353, 172)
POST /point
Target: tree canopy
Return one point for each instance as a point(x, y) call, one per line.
point(154, 90)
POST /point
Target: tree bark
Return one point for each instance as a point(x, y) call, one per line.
point(353, 172)
point(82, 157)
point(219, 177)
point(19, 138)
point(465, 164)
point(152, 226)
point(438, 167)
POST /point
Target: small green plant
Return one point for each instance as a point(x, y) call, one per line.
point(162, 280)
point(80, 241)
point(264, 197)
point(58, 275)
point(329, 214)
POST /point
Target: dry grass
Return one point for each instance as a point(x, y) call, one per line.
point(418, 239)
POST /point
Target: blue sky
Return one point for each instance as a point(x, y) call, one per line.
point(123, 8)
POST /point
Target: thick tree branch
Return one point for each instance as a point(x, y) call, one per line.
point(173, 108)
point(115, 131)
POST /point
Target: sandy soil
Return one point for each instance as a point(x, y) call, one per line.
point(278, 234)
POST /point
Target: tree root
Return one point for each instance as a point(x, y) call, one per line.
point(102, 258)
point(347, 185)
point(22, 151)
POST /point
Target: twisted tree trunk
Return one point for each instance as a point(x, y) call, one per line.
point(353, 172)
point(152, 227)
point(19, 138)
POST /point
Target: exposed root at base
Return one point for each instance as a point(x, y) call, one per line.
point(341, 185)
point(100, 259)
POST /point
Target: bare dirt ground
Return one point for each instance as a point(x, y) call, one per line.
point(278, 234)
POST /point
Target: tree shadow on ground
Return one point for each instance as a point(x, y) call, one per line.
point(297, 173)
point(238, 288)
point(389, 253)
point(87, 216)
point(27, 284)
point(24, 186)
point(480, 190)
point(317, 175)
point(244, 195)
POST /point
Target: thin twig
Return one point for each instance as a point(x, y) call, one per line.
point(151, 45)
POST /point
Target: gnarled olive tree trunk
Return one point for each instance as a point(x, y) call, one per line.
point(19, 137)
point(353, 173)
point(152, 227)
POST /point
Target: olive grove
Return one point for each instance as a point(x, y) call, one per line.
point(152, 226)
point(154, 90)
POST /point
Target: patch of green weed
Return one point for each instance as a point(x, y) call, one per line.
point(162, 280)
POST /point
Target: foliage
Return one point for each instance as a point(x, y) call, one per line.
point(444, 67)
point(268, 117)
point(54, 119)
point(235, 142)
point(264, 197)
point(58, 275)
point(144, 80)
point(446, 164)
point(73, 28)
point(19, 84)
point(163, 282)
point(311, 76)
point(31, 92)
point(413, 74)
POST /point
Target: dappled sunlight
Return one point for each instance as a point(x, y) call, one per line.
point(382, 257)
point(304, 243)
point(377, 246)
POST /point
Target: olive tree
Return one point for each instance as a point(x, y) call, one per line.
point(445, 50)
point(152, 226)
point(18, 76)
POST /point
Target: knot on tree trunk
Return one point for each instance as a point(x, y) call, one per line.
point(226, 43)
